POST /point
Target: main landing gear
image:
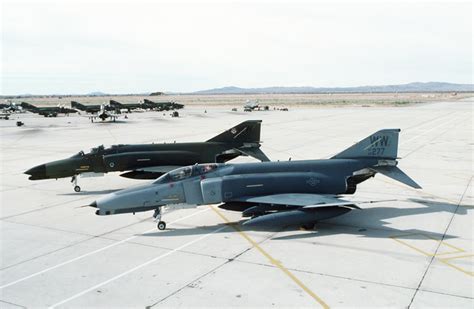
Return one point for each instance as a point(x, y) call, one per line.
point(74, 183)
point(161, 225)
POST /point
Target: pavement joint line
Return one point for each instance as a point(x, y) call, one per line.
point(425, 132)
point(227, 261)
point(91, 237)
point(457, 123)
point(16, 305)
point(137, 267)
point(427, 121)
point(439, 244)
point(367, 281)
point(192, 281)
point(192, 252)
point(44, 208)
point(50, 228)
point(271, 259)
point(92, 252)
point(444, 124)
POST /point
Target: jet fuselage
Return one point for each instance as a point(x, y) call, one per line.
point(119, 158)
point(219, 183)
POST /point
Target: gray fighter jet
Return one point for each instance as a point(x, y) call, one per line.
point(149, 161)
point(289, 193)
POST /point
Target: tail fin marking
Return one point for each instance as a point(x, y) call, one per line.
point(382, 144)
point(245, 132)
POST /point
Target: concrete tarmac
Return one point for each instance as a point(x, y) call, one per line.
point(414, 252)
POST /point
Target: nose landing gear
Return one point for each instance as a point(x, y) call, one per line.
point(161, 225)
point(74, 183)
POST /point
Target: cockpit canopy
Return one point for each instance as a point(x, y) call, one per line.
point(78, 155)
point(181, 173)
point(97, 149)
point(94, 150)
point(186, 172)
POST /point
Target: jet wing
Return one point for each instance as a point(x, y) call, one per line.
point(297, 200)
point(304, 200)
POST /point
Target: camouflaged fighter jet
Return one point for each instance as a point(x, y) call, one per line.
point(92, 109)
point(163, 106)
point(129, 107)
point(47, 111)
point(102, 111)
point(149, 161)
point(288, 193)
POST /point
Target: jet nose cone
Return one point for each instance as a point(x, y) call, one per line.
point(93, 204)
point(37, 172)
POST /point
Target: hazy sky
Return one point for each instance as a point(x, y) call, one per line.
point(139, 46)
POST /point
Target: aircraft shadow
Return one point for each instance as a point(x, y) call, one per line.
point(371, 222)
point(237, 113)
point(108, 122)
point(200, 115)
point(95, 192)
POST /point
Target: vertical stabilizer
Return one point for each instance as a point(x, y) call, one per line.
point(78, 106)
point(245, 132)
point(382, 144)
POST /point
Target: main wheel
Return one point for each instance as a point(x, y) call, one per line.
point(77, 189)
point(161, 225)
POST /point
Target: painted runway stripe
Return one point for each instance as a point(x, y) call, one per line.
point(137, 267)
point(271, 259)
point(91, 253)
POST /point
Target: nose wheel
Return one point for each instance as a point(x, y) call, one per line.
point(161, 225)
point(74, 183)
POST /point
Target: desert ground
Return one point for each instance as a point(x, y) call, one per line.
point(272, 100)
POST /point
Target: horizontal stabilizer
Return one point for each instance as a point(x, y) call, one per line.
point(256, 153)
point(397, 174)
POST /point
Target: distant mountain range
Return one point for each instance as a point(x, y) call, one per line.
point(97, 94)
point(411, 87)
